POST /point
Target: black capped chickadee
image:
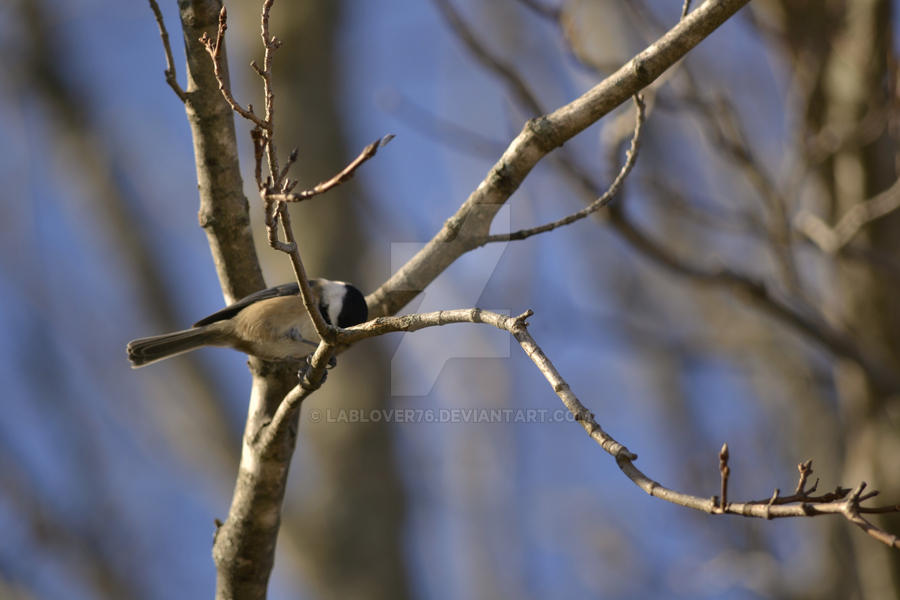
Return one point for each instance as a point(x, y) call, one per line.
point(271, 324)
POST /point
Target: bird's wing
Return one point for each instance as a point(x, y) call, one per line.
point(285, 289)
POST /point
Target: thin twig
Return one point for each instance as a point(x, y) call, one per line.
point(171, 79)
point(724, 472)
point(603, 200)
point(325, 331)
point(310, 381)
point(282, 177)
point(342, 176)
point(685, 8)
point(270, 45)
point(805, 469)
point(259, 148)
point(215, 52)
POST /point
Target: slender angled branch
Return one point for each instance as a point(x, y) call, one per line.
point(270, 45)
point(215, 52)
point(849, 508)
point(603, 200)
point(325, 331)
point(285, 415)
point(685, 8)
point(842, 501)
point(274, 203)
point(342, 176)
point(171, 79)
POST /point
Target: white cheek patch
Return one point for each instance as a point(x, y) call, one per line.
point(333, 298)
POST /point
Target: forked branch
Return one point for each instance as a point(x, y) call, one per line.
point(802, 503)
point(171, 78)
point(603, 200)
point(214, 48)
point(339, 178)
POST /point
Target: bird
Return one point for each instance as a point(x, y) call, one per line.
point(271, 324)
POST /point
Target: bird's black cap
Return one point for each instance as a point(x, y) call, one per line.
point(354, 310)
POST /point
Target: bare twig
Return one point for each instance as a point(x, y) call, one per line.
point(625, 460)
point(800, 505)
point(282, 177)
point(215, 52)
point(171, 79)
point(685, 8)
point(603, 200)
point(345, 174)
point(274, 202)
point(270, 45)
point(310, 381)
point(724, 472)
point(325, 331)
point(805, 469)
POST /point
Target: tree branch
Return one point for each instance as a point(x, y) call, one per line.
point(342, 176)
point(470, 225)
point(603, 200)
point(801, 504)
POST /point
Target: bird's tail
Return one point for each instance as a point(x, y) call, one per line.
point(148, 350)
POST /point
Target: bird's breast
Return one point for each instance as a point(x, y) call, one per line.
point(276, 329)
